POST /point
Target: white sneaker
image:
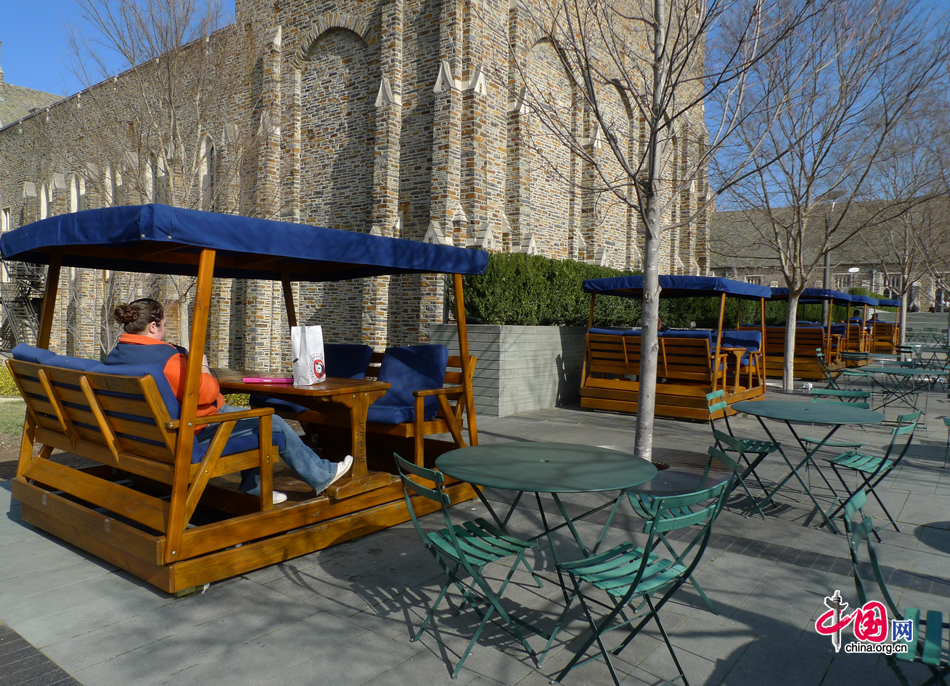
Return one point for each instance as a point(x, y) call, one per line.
point(341, 469)
point(278, 497)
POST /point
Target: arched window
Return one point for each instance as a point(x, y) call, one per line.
point(44, 201)
point(207, 164)
point(108, 187)
point(74, 192)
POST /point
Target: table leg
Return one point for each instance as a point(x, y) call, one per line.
point(360, 478)
point(794, 471)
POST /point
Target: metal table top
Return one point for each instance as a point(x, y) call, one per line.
point(903, 371)
point(546, 467)
point(810, 412)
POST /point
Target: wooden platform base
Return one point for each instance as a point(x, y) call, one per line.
point(677, 401)
point(208, 553)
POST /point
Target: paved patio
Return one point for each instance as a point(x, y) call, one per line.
point(341, 616)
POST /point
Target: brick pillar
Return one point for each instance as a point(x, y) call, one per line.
point(291, 151)
point(58, 196)
point(30, 211)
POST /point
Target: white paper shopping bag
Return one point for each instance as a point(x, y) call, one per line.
point(309, 361)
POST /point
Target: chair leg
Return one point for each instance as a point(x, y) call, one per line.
point(669, 646)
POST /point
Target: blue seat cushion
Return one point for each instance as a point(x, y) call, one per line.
point(687, 333)
point(608, 332)
point(284, 407)
point(235, 444)
point(407, 369)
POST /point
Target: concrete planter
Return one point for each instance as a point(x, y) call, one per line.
point(520, 368)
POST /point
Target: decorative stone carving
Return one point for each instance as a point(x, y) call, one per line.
point(445, 79)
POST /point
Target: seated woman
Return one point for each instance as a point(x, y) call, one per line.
point(144, 324)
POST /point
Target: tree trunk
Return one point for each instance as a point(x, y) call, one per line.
point(791, 324)
point(649, 322)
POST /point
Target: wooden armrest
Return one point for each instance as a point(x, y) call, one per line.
point(449, 392)
point(224, 417)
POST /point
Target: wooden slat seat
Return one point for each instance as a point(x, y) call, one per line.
point(808, 339)
point(685, 371)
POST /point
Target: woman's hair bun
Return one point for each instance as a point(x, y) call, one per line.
point(125, 314)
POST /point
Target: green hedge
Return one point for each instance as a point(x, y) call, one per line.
point(532, 290)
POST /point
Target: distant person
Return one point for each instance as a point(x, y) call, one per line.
point(931, 309)
point(914, 307)
point(661, 325)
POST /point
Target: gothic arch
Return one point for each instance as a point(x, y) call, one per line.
point(329, 21)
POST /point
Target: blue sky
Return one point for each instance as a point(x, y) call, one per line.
point(33, 53)
point(34, 42)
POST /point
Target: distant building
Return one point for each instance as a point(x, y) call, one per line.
point(738, 251)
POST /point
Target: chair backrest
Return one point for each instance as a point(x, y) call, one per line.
point(834, 395)
point(906, 425)
point(675, 513)
point(409, 469)
point(716, 402)
point(413, 368)
point(860, 533)
point(717, 454)
point(347, 360)
point(823, 366)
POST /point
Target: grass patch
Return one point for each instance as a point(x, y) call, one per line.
point(12, 415)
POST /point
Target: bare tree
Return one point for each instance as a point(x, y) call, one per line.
point(638, 74)
point(830, 98)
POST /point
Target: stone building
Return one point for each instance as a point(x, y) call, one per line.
point(397, 117)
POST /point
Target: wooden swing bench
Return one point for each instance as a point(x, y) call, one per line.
point(152, 502)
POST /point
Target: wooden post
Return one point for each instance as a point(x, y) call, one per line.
point(288, 297)
point(463, 352)
point(831, 317)
point(189, 408)
point(49, 299)
point(762, 329)
point(861, 332)
point(739, 315)
point(722, 315)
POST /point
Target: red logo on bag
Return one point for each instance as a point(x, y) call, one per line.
point(317, 367)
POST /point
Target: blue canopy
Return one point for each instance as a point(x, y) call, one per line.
point(889, 303)
point(676, 287)
point(159, 239)
point(811, 295)
point(864, 300)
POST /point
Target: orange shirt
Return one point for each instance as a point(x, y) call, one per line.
point(210, 400)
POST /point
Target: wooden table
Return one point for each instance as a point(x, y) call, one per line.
point(354, 394)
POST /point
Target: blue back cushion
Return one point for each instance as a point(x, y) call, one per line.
point(407, 369)
point(609, 332)
point(27, 353)
point(347, 360)
point(750, 340)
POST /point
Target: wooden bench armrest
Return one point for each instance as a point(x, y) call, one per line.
point(224, 417)
point(449, 392)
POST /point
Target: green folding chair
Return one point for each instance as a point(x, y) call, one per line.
point(750, 446)
point(872, 469)
point(830, 377)
point(928, 643)
point(629, 574)
point(465, 548)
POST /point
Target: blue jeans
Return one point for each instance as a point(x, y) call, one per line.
point(312, 468)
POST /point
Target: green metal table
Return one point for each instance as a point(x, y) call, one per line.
point(552, 468)
point(908, 381)
point(834, 415)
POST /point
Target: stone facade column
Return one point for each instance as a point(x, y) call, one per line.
point(386, 218)
point(291, 150)
point(263, 323)
point(58, 196)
